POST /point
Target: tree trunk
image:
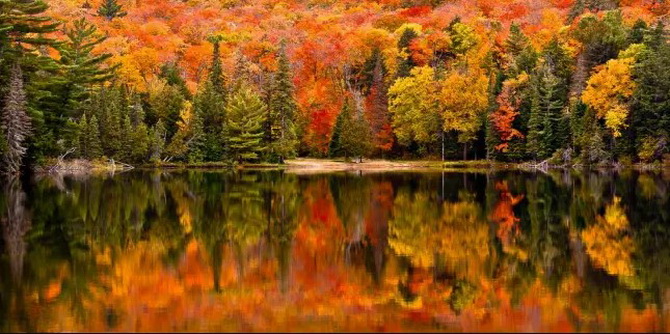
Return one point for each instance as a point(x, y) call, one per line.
point(442, 139)
point(465, 151)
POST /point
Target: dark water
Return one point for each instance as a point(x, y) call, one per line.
point(259, 251)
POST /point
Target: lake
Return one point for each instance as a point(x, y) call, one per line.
point(383, 251)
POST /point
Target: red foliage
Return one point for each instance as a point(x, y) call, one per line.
point(416, 11)
point(503, 213)
point(503, 118)
point(515, 11)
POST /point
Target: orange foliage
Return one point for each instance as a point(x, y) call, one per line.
point(508, 102)
point(503, 214)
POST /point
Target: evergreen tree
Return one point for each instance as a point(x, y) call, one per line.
point(171, 73)
point(517, 41)
point(356, 138)
point(140, 142)
point(216, 77)
point(16, 126)
point(544, 135)
point(557, 58)
point(82, 68)
point(650, 110)
point(89, 138)
point(352, 134)
point(24, 34)
point(522, 57)
point(637, 32)
point(242, 72)
point(71, 88)
point(111, 9)
point(125, 152)
point(246, 115)
point(406, 63)
point(282, 110)
point(164, 103)
point(109, 106)
point(335, 148)
point(210, 108)
point(535, 127)
point(592, 143)
point(196, 144)
point(157, 144)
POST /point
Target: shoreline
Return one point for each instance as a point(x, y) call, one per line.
point(314, 165)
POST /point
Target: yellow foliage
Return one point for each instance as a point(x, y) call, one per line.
point(413, 26)
point(420, 230)
point(464, 98)
point(185, 115)
point(607, 243)
point(608, 91)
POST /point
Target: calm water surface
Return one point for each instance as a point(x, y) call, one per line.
point(259, 251)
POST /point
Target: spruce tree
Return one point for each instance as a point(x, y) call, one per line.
point(16, 126)
point(89, 138)
point(352, 135)
point(335, 147)
point(111, 116)
point(171, 73)
point(210, 106)
point(126, 142)
point(650, 110)
point(140, 143)
point(82, 148)
point(535, 126)
point(246, 115)
point(552, 108)
point(282, 110)
point(356, 138)
point(216, 76)
point(111, 9)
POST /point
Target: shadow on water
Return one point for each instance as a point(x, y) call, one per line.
point(271, 250)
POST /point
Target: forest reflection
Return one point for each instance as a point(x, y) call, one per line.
point(274, 250)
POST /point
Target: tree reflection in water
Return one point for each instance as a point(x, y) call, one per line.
point(275, 250)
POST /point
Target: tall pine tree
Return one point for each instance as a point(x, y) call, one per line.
point(283, 110)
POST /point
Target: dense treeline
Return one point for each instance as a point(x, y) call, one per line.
point(440, 93)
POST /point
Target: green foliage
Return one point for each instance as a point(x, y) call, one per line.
point(650, 110)
point(405, 64)
point(111, 9)
point(352, 135)
point(246, 115)
point(282, 111)
point(602, 38)
point(89, 138)
point(544, 125)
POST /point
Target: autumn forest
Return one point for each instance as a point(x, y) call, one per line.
point(322, 165)
point(145, 81)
